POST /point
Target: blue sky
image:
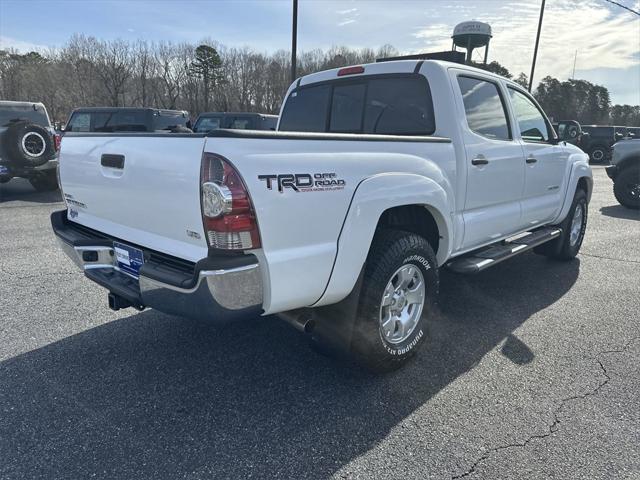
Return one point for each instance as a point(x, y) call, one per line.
point(606, 37)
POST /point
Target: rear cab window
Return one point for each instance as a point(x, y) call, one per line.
point(390, 104)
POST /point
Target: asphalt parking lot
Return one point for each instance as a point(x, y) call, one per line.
point(531, 372)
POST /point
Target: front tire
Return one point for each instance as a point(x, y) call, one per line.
point(626, 187)
point(398, 296)
point(567, 246)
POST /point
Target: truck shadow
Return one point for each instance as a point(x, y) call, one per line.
point(19, 189)
point(154, 396)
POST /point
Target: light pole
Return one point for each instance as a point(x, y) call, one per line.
point(535, 50)
point(294, 40)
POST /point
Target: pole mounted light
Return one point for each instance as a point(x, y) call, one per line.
point(294, 40)
point(535, 50)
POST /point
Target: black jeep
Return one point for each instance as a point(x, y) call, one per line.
point(28, 145)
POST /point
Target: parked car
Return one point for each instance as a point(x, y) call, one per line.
point(379, 175)
point(28, 144)
point(247, 121)
point(600, 140)
point(127, 119)
point(625, 172)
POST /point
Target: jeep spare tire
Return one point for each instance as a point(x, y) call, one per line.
point(28, 144)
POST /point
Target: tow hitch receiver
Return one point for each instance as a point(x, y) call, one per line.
point(116, 302)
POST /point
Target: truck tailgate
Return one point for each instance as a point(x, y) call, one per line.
point(144, 189)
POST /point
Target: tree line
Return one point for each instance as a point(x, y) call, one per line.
point(90, 72)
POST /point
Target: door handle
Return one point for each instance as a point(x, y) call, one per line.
point(112, 161)
point(479, 160)
point(531, 159)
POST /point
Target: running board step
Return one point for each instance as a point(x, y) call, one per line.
point(486, 257)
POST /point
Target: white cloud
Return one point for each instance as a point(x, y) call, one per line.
point(347, 12)
point(346, 22)
point(601, 38)
point(8, 43)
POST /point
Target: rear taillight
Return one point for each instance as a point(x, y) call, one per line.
point(227, 213)
point(57, 138)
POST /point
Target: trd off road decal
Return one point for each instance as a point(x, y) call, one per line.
point(304, 182)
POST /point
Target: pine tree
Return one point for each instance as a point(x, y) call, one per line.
point(206, 66)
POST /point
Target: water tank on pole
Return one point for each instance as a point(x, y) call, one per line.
point(472, 35)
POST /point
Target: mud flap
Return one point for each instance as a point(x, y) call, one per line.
point(333, 325)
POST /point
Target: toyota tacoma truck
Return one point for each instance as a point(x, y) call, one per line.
point(378, 176)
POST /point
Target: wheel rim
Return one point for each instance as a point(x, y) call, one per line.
point(597, 155)
point(576, 224)
point(402, 304)
point(634, 190)
point(33, 144)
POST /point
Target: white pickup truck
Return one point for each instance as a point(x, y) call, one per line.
point(378, 176)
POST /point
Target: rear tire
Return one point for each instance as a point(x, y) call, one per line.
point(398, 296)
point(567, 246)
point(626, 187)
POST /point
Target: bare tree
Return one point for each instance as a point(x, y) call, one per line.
point(114, 67)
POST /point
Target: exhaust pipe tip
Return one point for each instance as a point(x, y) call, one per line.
point(301, 319)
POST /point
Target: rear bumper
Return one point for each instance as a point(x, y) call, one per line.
point(212, 288)
point(612, 171)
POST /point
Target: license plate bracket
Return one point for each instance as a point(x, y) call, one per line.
point(129, 259)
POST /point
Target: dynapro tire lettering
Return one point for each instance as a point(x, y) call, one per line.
point(303, 182)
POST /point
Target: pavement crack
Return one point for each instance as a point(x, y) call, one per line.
point(553, 427)
point(602, 257)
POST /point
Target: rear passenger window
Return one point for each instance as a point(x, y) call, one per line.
point(484, 108)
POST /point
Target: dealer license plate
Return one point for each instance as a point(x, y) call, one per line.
point(129, 259)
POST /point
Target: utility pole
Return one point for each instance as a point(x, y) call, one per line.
point(573, 75)
point(294, 40)
point(535, 50)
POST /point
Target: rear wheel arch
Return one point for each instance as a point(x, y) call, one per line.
point(418, 219)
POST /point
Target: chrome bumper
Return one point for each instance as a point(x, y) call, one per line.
point(213, 293)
